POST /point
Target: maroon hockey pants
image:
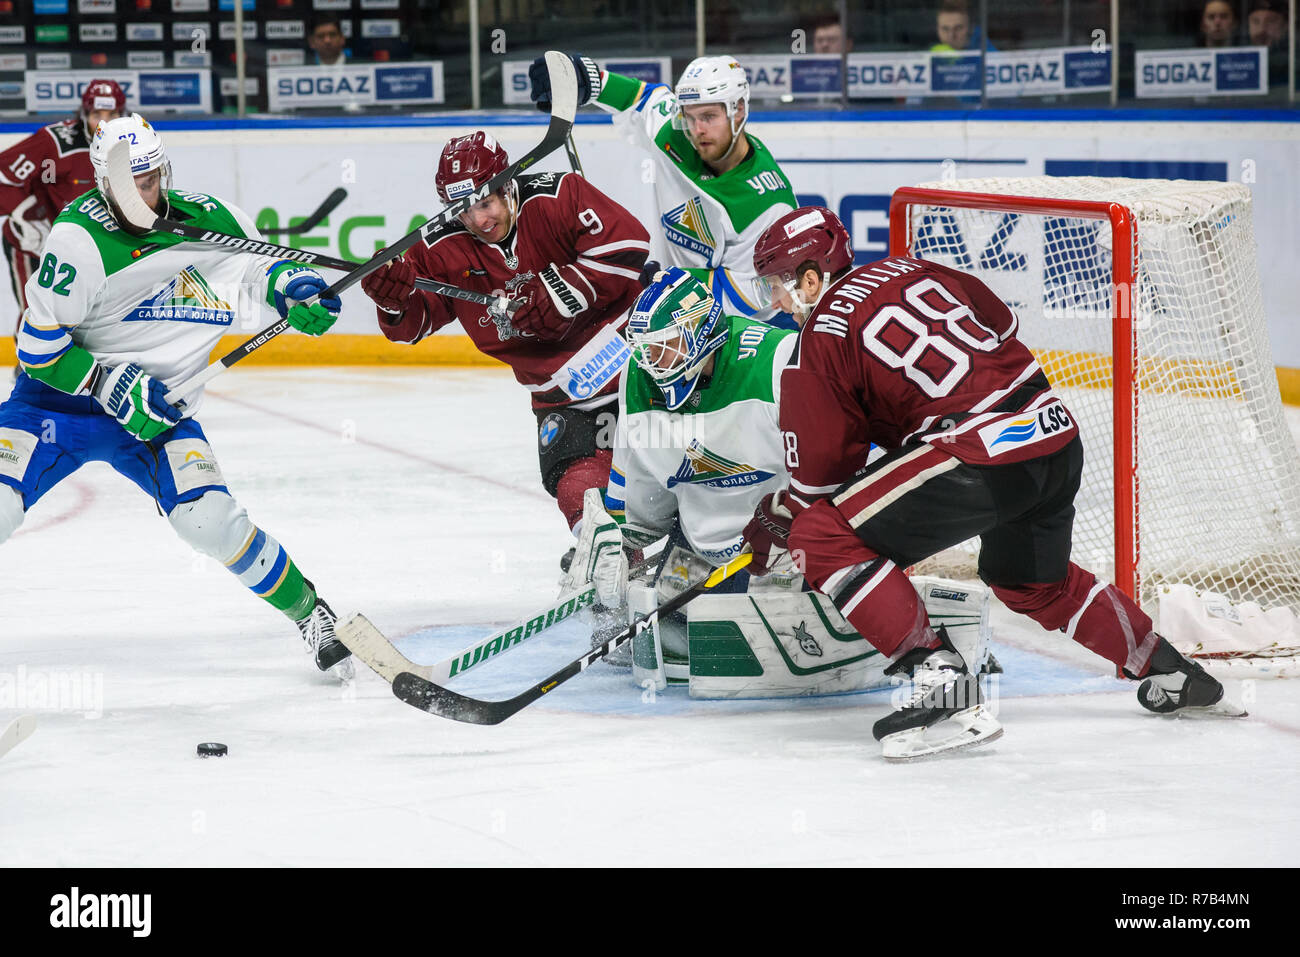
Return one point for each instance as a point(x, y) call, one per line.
point(917, 501)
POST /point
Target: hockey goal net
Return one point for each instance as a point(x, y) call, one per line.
point(1141, 300)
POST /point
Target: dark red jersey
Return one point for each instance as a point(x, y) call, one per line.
point(53, 164)
point(901, 351)
point(578, 251)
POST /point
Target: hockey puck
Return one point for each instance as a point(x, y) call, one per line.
point(211, 749)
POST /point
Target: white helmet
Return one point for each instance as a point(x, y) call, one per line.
point(713, 79)
point(147, 154)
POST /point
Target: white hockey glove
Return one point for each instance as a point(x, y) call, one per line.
point(30, 233)
point(598, 558)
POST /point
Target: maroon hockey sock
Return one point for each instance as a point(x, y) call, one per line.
point(1096, 615)
point(582, 474)
point(877, 598)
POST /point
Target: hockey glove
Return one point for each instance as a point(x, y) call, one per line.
point(589, 82)
point(30, 233)
point(540, 316)
point(648, 273)
point(768, 534)
point(135, 399)
point(289, 286)
point(391, 286)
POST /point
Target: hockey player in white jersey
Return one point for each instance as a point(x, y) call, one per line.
point(698, 446)
point(114, 319)
point(716, 185)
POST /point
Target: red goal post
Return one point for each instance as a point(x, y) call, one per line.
point(1141, 300)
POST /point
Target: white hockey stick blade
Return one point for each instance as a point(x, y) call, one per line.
point(19, 730)
point(368, 644)
point(965, 729)
point(121, 182)
point(564, 85)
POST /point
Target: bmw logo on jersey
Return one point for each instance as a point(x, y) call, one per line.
point(551, 429)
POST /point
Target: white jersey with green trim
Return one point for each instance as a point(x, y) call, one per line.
point(710, 462)
point(709, 223)
point(156, 300)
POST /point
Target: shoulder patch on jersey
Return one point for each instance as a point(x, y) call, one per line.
point(539, 184)
point(68, 136)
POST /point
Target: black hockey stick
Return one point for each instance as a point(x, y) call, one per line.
point(312, 221)
point(572, 150)
point(435, 699)
point(564, 104)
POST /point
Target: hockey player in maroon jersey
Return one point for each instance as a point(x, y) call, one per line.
point(574, 256)
point(46, 171)
point(923, 361)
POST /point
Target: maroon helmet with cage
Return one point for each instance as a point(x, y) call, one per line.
point(101, 95)
point(467, 162)
point(808, 234)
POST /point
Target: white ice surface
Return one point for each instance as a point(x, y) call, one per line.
point(413, 495)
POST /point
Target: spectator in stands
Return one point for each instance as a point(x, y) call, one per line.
point(953, 28)
point(326, 40)
point(828, 35)
point(1266, 24)
point(1218, 24)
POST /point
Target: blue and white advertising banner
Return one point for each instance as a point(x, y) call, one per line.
point(871, 75)
point(361, 84)
point(515, 85)
point(1232, 71)
point(1047, 72)
point(149, 91)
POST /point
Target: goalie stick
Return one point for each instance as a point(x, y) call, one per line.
point(19, 730)
point(435, 699)
point(312, 221)
point(564, 104)
point(368, 643)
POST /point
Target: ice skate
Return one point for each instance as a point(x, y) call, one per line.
point(318, 632)
point(1178, 685)
point(946, 710)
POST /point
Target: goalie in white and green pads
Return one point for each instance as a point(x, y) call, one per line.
point(113, 319)
point(717, 187)
point(697, 447)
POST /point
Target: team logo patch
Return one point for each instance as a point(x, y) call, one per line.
point(187, 298)
point(551, 429)
point(193, 465)
point(687, 227)
point(702, 467)
point(16, 450)
point(1025, 429)
point(806, 641)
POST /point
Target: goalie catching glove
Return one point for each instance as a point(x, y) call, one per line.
point(598, 557)
point(768, 535)
point(135, 398)
point(291, 284)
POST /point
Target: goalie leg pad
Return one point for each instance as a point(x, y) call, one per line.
point(963, 609)
point(647, 652)
point(767, 645)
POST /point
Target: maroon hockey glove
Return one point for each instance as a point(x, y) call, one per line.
point(539, 316)
point(768, 533)
point(391, 286)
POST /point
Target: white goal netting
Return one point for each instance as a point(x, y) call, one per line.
point(1217, 475)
